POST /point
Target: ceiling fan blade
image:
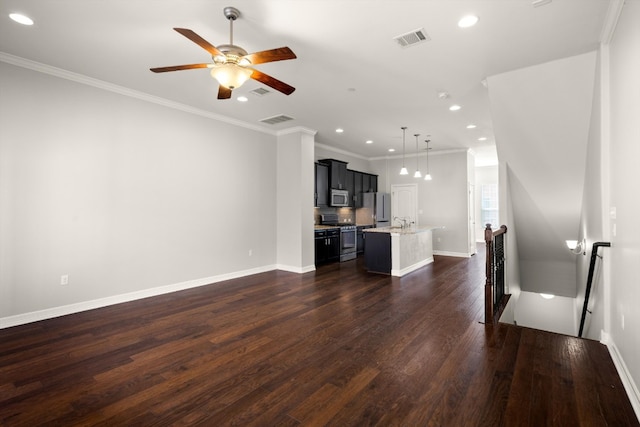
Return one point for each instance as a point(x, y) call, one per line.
point(199, 41)
point(279, 54)
point(272, 82)
point(178, 68)
point(223, 92)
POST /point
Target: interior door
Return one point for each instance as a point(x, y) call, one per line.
point(404, 203)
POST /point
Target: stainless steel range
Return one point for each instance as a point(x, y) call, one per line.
point(348, 236)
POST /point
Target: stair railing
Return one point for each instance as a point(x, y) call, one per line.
point(495, 272)
point(592, 267)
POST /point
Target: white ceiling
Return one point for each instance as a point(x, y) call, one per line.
point(349, 73)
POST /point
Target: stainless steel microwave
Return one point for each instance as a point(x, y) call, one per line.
point(339, 198)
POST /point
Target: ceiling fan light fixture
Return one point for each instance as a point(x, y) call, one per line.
point(230, 76)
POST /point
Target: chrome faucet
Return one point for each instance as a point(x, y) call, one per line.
point(404, 221)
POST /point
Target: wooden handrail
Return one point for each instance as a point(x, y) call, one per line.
point(491, 299)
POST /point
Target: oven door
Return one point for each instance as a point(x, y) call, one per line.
point(348, 238)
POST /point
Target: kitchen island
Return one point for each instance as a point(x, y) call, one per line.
point(398, 251)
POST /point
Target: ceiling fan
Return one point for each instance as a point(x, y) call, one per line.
point(231, 63)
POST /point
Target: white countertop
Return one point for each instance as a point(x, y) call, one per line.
point(396, 231)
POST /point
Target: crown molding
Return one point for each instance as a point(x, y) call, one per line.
point(431, 153)
point(341, 151)
point(296, 129)
point(121, 90)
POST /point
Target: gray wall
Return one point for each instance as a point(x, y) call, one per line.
point(122, 195)
point(354, 162)
point(442, 201)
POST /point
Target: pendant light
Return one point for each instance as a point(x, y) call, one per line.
point(427, 175)
point(404, 170)
point(417, 174)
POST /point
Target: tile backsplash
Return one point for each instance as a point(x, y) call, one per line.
point(345, 215)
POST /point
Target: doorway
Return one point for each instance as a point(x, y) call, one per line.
point(404, 202)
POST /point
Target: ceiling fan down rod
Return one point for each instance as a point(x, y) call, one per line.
point(231, 13)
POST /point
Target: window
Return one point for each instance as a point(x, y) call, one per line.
point(489, 205)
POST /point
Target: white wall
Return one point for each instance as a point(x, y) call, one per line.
point(591, 222)
point(122, 195)
point(511, 251)
point(442, 201)
point(625, 175)
point(541, 117)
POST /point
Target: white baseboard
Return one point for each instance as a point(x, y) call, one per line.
point(49, 313)
point(407, 270)
point(625, 376)
point(293, 269)
point(456, 254)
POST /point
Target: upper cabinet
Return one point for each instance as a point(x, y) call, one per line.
point(337, 173)
point(373, 184)
point(333, 174)
point(322, 185)
point(351, 186)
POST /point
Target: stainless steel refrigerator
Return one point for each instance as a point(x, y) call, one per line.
point(380, 206)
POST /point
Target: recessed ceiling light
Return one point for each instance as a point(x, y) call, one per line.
point(243, 99)
point(468, 21)
point(339, 130)
point(455, 107)
point(471, 126)
point(369, 141)
point(482, 138)
point(21, 19)
point(391, 150)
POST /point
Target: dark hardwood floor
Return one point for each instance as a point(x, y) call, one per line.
point(336, 347)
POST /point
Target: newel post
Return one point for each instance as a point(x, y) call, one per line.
point(488, 287)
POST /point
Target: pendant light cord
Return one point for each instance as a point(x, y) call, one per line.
point(404, 129)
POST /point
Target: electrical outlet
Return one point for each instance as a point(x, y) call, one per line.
point(622, 321)
point(64, 279)
point(250, 252)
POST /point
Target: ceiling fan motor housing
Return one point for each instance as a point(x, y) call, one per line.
point(232, 55)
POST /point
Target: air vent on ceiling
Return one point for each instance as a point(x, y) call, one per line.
point(412, 37)
point(276, 119)
point(260, 91)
